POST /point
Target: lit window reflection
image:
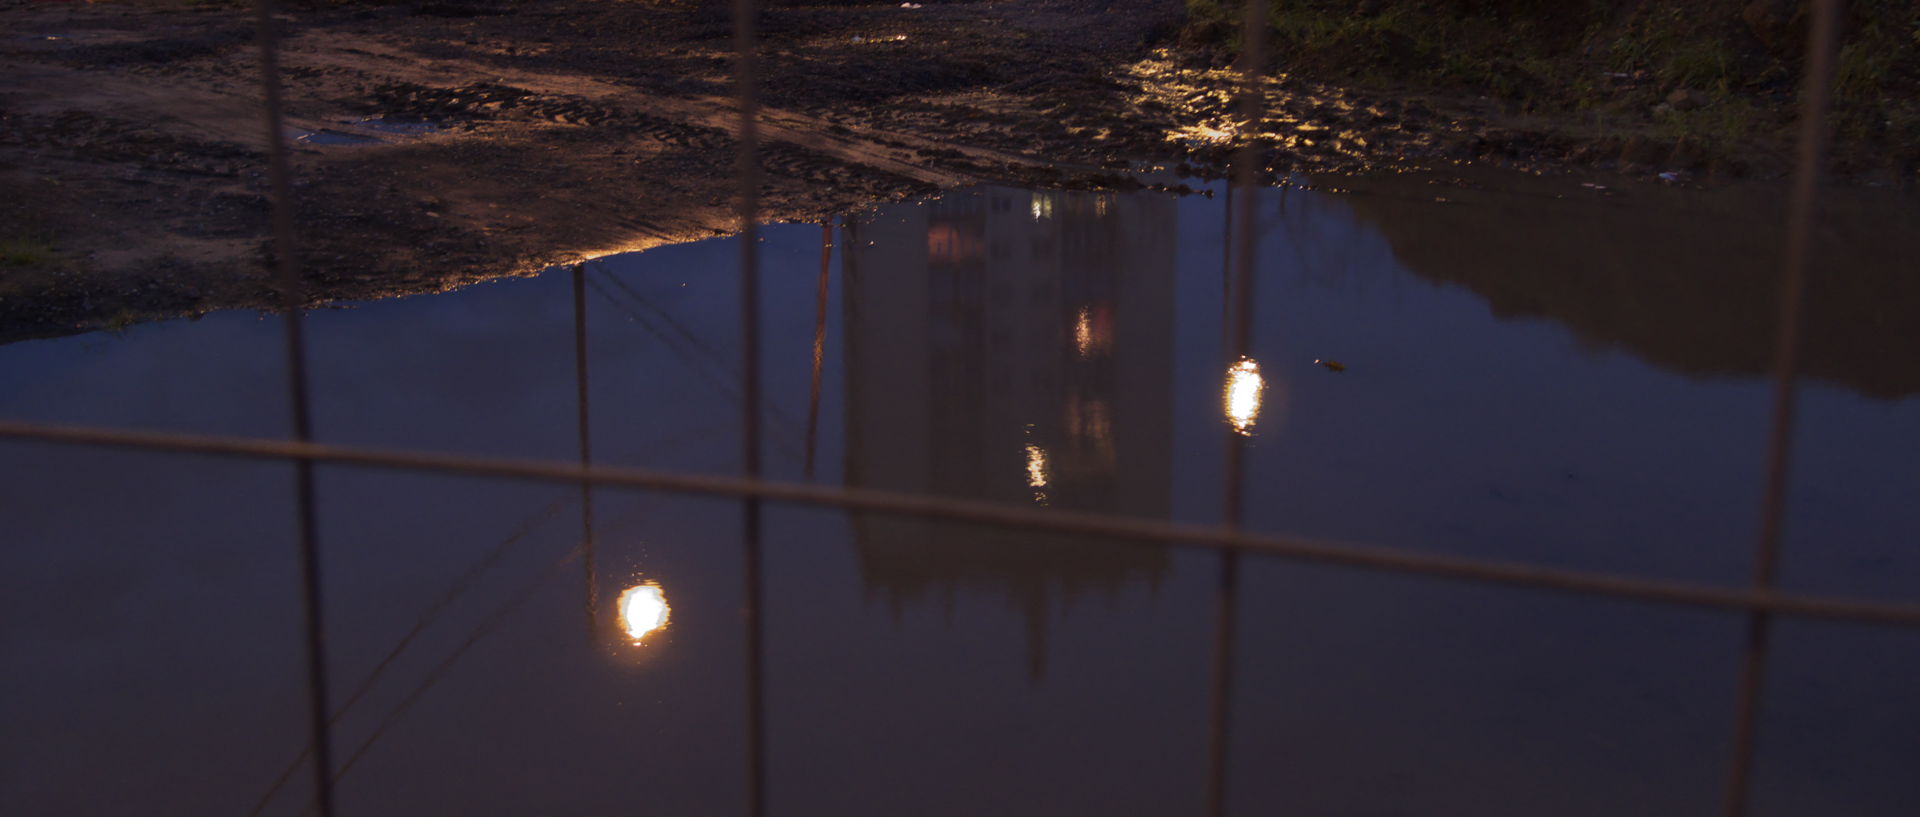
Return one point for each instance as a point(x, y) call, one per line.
point(1036, 466)
point(643, 610)
point(1093, 330)
point(1037, 472)
point(1042, 206)
point(1243, 392)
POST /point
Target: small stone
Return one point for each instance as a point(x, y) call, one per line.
point(1686, 99)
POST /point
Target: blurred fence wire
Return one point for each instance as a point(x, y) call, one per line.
point(1761, 602)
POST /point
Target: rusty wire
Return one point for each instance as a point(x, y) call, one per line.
point(1118, 528)
point(1760, 601)
point(1823, 40)
point(1246, 171)
point(293, 300)
point(746, 99)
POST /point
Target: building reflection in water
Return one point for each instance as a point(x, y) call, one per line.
point(643, 611)
point(1012, 346)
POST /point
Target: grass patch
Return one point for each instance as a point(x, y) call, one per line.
point(1728, 120)
point(1395, 42)
point(1863, 71)
point(28, 251)
point(1671, 43)
point(1607, 59)
point(1700, 64)
point(1209, 24)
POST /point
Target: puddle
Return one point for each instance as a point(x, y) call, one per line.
point(326, 137)
point(364, 132)
point(405, 127)
point(1528, 372)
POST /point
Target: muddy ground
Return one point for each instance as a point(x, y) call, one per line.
point(440, 143)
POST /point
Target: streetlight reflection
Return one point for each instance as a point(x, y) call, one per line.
point(1243, 393)
point(643, 610)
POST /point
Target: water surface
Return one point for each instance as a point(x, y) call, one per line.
point(1535, 371)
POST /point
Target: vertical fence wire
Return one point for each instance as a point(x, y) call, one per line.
point(748, 177)
point(1822, 47)
point(293, 300)
point(1246, 171)
point(1823, 37)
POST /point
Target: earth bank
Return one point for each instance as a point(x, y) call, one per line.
point(439, 143)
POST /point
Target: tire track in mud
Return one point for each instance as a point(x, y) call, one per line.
point(529, 163)
point(404, 82)
point(469, 106)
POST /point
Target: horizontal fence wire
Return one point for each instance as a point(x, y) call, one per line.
point(1134, 530)
point(1759, 601)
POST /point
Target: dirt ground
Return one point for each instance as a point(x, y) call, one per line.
point(440, 143)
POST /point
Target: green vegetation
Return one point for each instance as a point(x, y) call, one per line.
point(1729, 121)
point(121, 321)
point(27, 250)
point(1718, 71)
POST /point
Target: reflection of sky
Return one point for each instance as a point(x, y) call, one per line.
point(149, 600)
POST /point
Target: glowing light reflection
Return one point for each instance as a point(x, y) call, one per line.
point(643, 610)
point(1243, 393)
point(1036, 466)
point(1083, 332)
point(1037, 472)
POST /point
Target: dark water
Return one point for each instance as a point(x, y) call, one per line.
point(1550, 374)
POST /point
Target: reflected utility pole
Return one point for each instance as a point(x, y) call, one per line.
point(1226, 613)
point(586, 457)
point(819, 345)
point(586, 487)
point(1226, 270)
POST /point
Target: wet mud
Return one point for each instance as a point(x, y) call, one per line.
point(438, 145)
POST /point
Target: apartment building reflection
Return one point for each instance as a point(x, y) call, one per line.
point(1011, 346)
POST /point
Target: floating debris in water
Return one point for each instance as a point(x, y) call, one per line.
point(1331, 364)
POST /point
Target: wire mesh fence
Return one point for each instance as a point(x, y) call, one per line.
point(1760, 601)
